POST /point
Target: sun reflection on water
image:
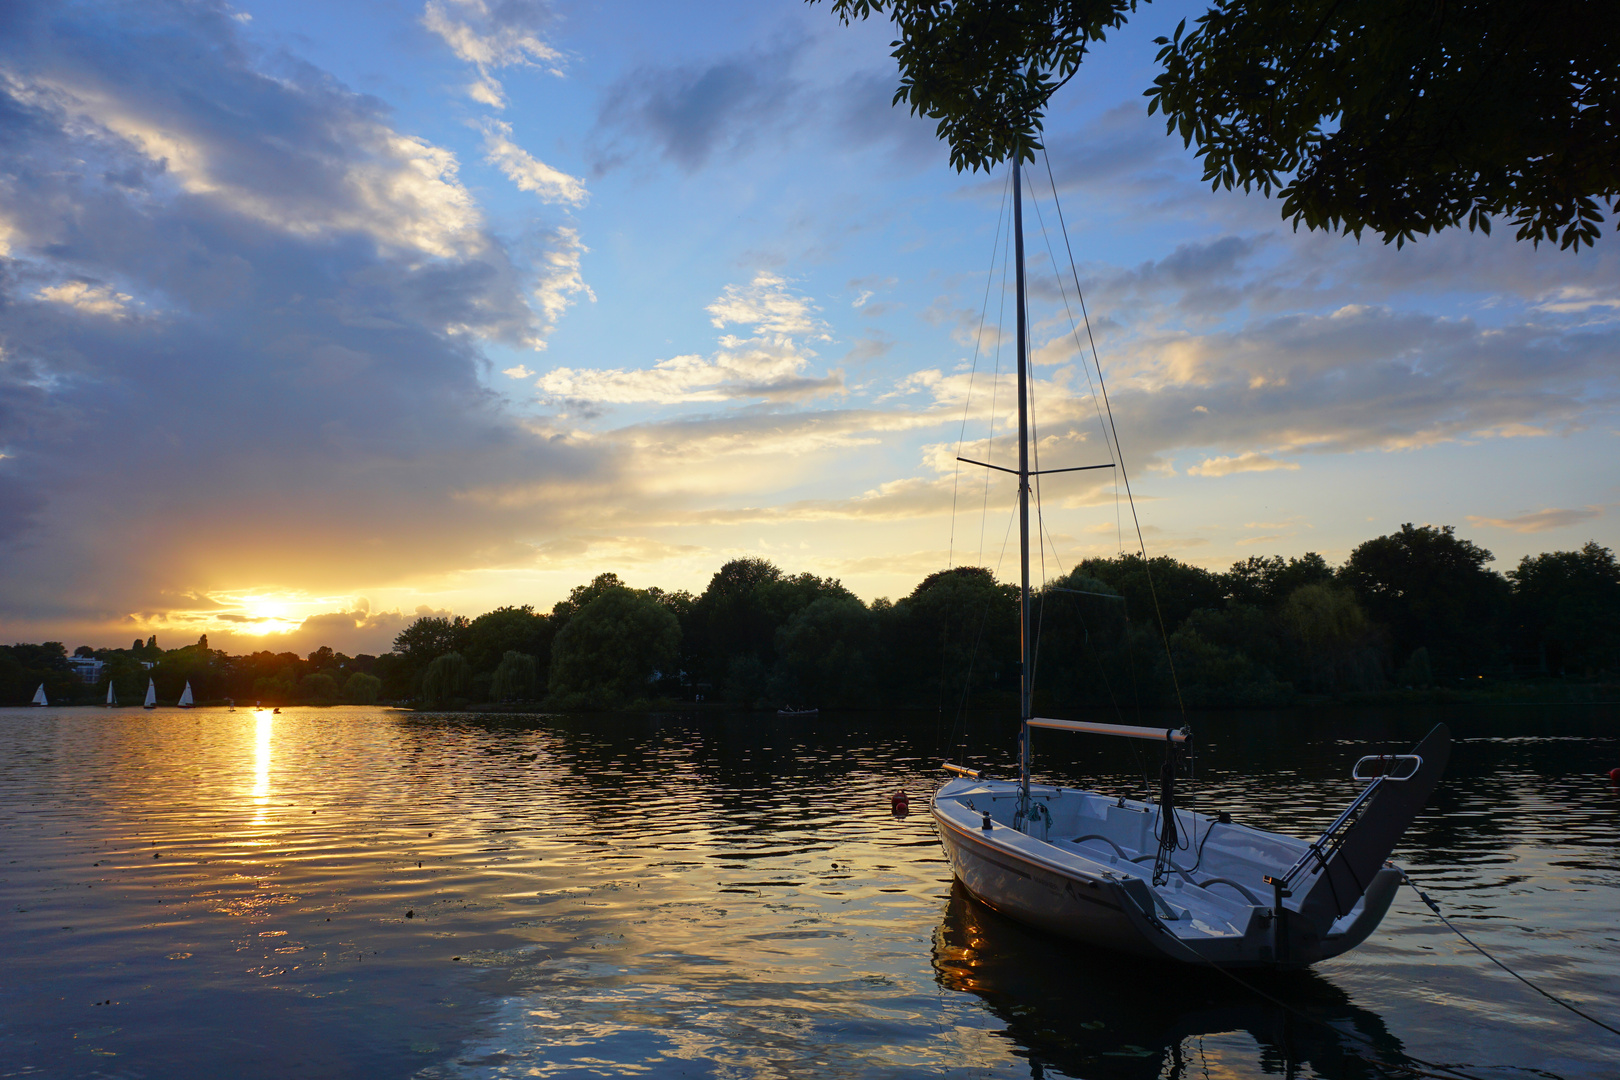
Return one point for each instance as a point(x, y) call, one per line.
point(264, 722)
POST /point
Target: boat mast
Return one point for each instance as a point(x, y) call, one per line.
point(1025, 645)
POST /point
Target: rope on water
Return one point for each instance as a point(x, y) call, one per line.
point(1434, 907)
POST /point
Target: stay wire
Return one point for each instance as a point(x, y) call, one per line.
point(1153, 591)
point(978, 343)
point(956, 476)
point(1434, 907)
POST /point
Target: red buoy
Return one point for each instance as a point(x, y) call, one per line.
point(1614, 774)
point(899, 803)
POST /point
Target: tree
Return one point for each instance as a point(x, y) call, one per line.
point(1266, 581)
point(1566, 606)
point(361, 689)
point(612, 648)
point(1337, 646)
point(1158, 589)
point(446, 678)
point(430, 637)
point(517, 678)
point(824, 654)
point(955, 635)
point(1402, 117)
point(1432, 589)
point(495, 634)
point(319, 688)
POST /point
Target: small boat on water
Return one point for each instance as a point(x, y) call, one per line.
point(791, 711)
point(185, 696)
point(39, 697)
point(112, 694)
point(1150, 878)
point(151, 695)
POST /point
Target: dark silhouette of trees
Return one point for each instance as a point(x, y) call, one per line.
point(1566, 609)
point(1414, 608)
point(1433, 590)
point(609, 652)
point(1402, 117)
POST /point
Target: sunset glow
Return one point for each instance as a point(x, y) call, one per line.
point(545, 310)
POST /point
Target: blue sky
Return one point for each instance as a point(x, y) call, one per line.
point(317, 316)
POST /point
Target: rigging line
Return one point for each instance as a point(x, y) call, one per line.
point(995, 388)
point(1063, 291)
point(978, 343)
point(961, 435)
point(1434, 907)
point(1164, 632)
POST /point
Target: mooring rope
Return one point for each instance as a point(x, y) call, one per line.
point(1434, 907)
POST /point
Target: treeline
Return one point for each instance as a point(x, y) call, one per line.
point(1416, 608)
point(323, 677)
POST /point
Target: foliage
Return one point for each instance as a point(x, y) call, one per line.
point(431, 637)
point(1432, 589)
point(493, 635)
point(1265, 581)
point(445, 679)
point(1406, 609)
point(984, 68)
point(956, 635)
point(1566, 606)
point(612, 648)
point(1401, 117)
point(1406, 117)
point(516, 678)
point(361, 689)
point(825, 655)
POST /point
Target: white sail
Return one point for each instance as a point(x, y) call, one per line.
point(151, 695)
point(185, 696)
point(39, 695)
point(112, 695)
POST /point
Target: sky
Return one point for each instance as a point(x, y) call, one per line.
point(319, 317)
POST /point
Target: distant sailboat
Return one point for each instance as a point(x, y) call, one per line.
point(185, 696)
point(39, 696)
point(112, 695)
point(151, 695)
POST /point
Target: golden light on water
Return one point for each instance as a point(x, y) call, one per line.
point(264, 724)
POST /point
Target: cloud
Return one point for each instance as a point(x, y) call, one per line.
point(493, 35)
point(1251, 461)
point(769, 365)
point(688, 114)
point(300, 405)
point(561, 277)
point(766, 304)
point(528, 173)
point(1540, 521)
point(88, 298)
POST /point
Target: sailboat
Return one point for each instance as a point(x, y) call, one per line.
point(185, 696)
point(151, 695)
point(112, 694)
point(1123, 874)
point(39, 696)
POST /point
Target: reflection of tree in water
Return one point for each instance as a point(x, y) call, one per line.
point(1076, 1011)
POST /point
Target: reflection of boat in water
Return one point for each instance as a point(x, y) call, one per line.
point(1149, 878)
point(1079, 1011)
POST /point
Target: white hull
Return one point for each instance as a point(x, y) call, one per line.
point(1083, 869)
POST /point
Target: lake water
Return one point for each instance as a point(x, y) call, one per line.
point(356, 892)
